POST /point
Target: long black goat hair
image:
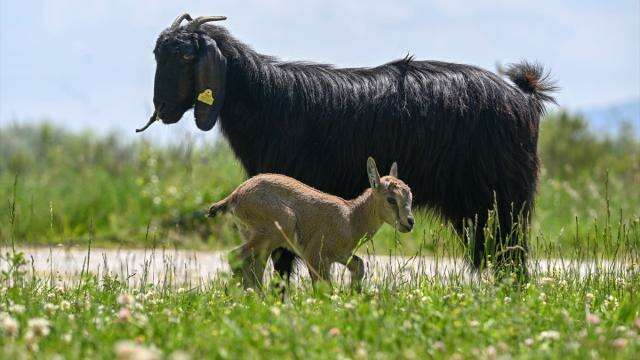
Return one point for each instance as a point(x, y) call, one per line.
point(465, 139)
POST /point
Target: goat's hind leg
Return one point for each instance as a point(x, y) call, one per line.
point(319, 271)
point(283, 263)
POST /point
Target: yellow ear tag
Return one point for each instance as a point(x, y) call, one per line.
point(206, 97)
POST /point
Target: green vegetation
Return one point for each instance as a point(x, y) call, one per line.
point(556, 316)
point(69, 187)
point(81, 189)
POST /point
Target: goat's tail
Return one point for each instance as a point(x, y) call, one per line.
point(532, 79)
point(218, 207)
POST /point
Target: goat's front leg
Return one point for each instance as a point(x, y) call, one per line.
point(356, 268)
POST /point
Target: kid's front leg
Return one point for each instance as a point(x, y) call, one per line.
point(356, 268)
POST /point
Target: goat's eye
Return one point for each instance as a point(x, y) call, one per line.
point(187, 56)
point(391, 201)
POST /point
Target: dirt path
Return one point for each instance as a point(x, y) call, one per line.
point(197, 267)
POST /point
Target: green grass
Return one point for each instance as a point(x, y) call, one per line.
point(80, 189)
point(560, 315)
point(67, 187)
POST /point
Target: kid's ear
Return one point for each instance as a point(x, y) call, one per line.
point(372, 172)
point(394, 170)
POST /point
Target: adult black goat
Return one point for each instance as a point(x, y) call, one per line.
point(465, 138)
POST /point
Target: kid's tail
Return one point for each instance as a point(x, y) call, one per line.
point(219, 207)
point(533, 80)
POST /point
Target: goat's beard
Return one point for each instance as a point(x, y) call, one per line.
point(167, 117)
point(152, 119)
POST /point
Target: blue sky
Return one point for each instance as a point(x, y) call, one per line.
point(89, 63)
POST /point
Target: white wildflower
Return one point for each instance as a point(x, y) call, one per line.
point(50, 308)
point(490, 352)
point(588, 298)
point(32, 341)
point(65, 305)
point(39, 327)
point(16, 309)
point(620, 343)
point(125, 299)
point(350, 305)
point(549, 335)
point(361, 352)
point(129, 350)
point(124, 314)
point(10, 326)
point(310, 301)
point(593, 319)
point(141, 319)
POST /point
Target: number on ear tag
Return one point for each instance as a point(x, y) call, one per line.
point(206, 97)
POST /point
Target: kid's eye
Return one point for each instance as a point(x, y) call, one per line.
point(391, 201)
point(187, 56)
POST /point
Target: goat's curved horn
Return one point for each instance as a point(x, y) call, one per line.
point(195, 24)
point(178, 20)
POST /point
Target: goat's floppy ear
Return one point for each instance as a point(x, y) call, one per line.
point(372, 172)
point(394, 170)
point(210, 76)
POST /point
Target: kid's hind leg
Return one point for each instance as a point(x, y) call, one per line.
point(283, 255)
point(248, 262)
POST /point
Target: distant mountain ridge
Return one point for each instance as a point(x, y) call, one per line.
point(608, 119)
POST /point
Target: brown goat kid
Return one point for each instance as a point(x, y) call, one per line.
point(320, 228)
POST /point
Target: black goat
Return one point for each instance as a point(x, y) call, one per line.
point(465, 138)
